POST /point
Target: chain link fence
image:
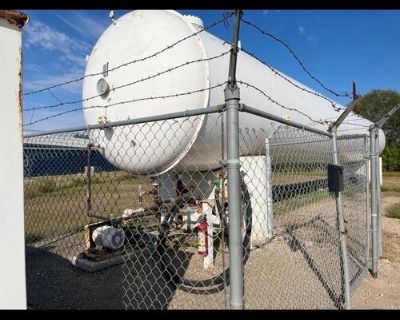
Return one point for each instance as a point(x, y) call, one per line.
point(154, 215)
point(296, 262)
point(356, 200)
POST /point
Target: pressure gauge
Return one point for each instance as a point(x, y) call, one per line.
point(102, 87)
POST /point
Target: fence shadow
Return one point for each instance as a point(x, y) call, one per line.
point(54, 283)
point(297, 244)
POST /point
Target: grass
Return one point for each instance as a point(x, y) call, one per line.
point(391, 174)
point(288, 205)
point(391, 182)
point(394, 211)
point(69, 184)
point(57, 205)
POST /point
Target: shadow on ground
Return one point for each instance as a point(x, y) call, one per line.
point(54, 283)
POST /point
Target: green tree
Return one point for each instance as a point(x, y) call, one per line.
point(373, 106)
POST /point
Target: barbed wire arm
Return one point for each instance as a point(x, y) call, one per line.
point(333, 126)
point(386, 117)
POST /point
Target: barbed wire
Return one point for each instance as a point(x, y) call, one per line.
point(54, 96)
point(63, 103)
point(125, 102)
point(225, 17)
point(277, 103)
point(336, 108)
point(330, 120)
point(344, 94)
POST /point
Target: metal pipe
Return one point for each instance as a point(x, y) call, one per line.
point(374, 203)
point(167, 116)
point(268, 166)
point(367, 174)
point(232, 97)
point(235, 228)
point(375, 167)
point(222, 214)
point(90, 147)
point(378, 195)
point(263, 114)
point(89, 180)
point(342, 231)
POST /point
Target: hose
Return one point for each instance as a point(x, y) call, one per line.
point(174, 280)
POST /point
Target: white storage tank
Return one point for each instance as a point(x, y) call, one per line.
point(154, 148)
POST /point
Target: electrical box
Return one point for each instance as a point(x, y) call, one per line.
point(335, 178)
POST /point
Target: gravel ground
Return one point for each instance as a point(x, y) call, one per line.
point(298, 271)
point(295, 271)
point(384, 292)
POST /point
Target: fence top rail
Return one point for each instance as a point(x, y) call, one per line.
point(352, 136)
point(161, 117)
point(263, 114)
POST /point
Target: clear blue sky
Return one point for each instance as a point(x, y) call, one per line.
point(337, 46)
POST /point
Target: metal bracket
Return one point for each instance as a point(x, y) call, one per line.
point(232, 93)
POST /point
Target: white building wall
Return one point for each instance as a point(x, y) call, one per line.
point(12, 244)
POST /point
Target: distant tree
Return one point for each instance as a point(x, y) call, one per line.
point(373, 106)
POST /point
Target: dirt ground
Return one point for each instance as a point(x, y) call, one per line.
point(384, 292)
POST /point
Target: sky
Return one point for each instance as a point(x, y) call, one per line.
point(337, 46)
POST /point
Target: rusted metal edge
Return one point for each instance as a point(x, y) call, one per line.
point(14, 17)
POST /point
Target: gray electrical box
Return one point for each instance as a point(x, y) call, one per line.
point(335, 178)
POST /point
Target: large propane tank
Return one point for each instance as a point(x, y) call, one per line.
point(157, 147)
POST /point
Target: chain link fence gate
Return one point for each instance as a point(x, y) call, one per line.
point(354, 157)
point(295, 262)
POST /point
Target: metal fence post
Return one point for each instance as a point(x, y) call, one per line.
point(342, 231)
point(268, 186)
point(378, 194)
point(89, 180)
point(375, 189)
point(232, 97)
point(374, 203)
point(368, 179)
point(339, 214)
